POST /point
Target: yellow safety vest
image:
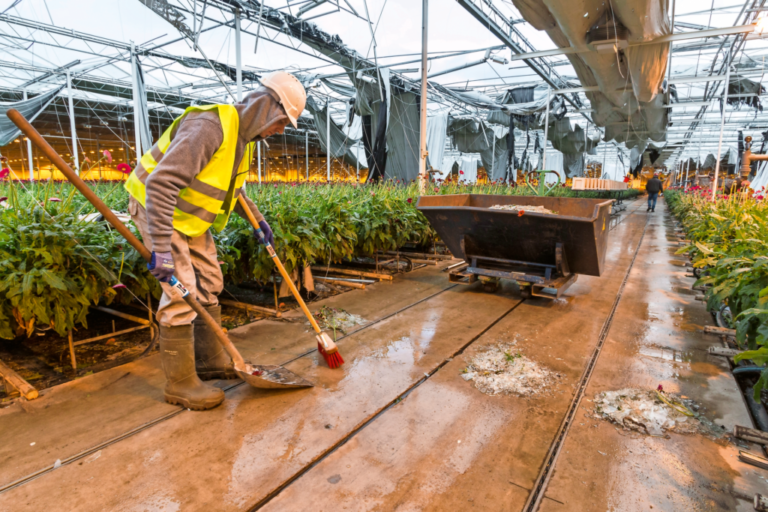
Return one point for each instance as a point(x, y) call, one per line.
point(210, 198)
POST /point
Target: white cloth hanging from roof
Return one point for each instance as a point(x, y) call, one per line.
point(468, 164)
point(436, 135)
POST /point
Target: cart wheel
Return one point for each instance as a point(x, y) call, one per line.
point(525, 291)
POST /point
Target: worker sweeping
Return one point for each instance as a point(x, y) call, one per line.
point(186, 184)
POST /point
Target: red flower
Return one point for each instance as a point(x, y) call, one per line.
point(4, 198)
point(660, 388)
point(5, 173)
point(124, 168)
point(410, 200)
point(461, 172)
point(520, 213)
point(108, 156)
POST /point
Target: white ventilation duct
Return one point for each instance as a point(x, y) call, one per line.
point(629, 104)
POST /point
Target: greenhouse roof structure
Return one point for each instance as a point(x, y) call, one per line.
point(655, 85)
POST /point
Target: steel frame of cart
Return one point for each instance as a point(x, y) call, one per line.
point(543, 253)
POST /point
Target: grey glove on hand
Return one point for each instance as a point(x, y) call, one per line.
point(161, 266)
point(268, 236)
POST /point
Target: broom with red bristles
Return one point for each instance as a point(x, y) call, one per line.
point(325, 345)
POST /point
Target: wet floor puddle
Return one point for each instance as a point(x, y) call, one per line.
point(666, 353)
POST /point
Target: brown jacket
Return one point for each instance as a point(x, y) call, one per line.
point(196, 139)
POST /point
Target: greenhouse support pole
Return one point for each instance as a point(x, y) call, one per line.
point(328, 140)
point(29, 151)
point(258, 157)
point(722, 121)
point(72, 122)
point(423, 108)
point(238, 57)
point(357, 160)
point(136, 103)
point(546, 130)
point(306, 153)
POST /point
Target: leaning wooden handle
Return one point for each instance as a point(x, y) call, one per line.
point(50, 153)
point(248, 213)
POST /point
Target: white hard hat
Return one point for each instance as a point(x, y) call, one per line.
point(292, 95)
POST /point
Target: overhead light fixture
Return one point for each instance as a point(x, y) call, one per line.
point(607, 35)
point(365, 78)
point(762, 24)
point(498, 60)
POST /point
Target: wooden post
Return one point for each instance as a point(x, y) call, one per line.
point(72, 351)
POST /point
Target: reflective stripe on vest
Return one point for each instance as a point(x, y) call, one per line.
point(203, 203)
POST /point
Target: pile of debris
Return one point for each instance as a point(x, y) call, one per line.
point(337, 319)
point(502, 369)
point(523, 208)
point(651, 412)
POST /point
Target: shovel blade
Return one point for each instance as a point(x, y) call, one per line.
point(272, 377)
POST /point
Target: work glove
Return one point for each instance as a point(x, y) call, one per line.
point(268, 236)
point(161, 266)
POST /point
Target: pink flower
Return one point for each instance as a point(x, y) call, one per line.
point(108, 156)
point(222, 263)
point(124, 168)
point(5, 173)
point(54, 200)
point(373, 194)
point(660, 388)
point(119, 286)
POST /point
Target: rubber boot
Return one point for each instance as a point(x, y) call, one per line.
point(211, 360)
point(183, 386)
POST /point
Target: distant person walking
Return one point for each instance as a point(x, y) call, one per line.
point(653, 187)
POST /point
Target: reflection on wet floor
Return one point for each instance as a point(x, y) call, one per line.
point(668, 354)
point(684, 291)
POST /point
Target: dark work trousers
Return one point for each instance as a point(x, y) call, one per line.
point(652, 196)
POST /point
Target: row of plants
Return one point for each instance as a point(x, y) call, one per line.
point(729, 246)
point(54, 264)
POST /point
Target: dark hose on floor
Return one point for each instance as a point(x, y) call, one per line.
point(757, 409)
point(747, 370)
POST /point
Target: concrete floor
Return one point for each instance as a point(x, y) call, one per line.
point(397, 428)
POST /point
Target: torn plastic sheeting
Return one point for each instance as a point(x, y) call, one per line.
point(741, 85)
point(472, 135)
point(142, 111)
point(629, 82)
point(30, 109)
point(403, 138)
point(340, 146)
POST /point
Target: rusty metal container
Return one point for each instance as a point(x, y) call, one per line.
point(470, 228)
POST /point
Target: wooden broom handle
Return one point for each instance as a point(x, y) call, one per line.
point(248, 213)
point(50, 153)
